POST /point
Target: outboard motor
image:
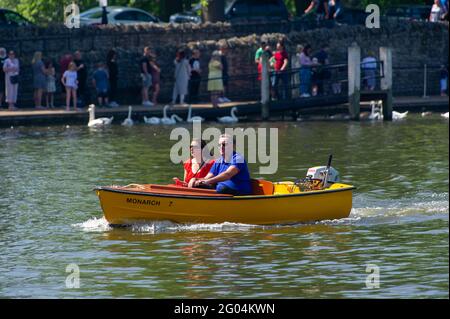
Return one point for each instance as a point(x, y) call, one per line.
point(320, 173)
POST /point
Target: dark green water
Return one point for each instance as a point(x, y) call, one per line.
point(51, 218)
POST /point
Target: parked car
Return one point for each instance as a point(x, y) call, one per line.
point(240, 11)
point(190, 16)
point(117, 15)
point(11, 19)
point(410, 12)
point(348, 16)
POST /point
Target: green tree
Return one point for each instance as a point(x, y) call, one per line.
point(213, 10)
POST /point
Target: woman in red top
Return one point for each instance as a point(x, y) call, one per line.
point(195, 166)
point(281, 64)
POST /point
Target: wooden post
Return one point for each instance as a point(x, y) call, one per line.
point(425, 79)
point(265, 87)
point(386, 82)
point(354, 81)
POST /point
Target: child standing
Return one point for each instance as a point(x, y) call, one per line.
point(70, 82)
point(51, 84)
point(100, 82)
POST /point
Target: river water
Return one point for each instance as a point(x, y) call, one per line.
point(398, 227)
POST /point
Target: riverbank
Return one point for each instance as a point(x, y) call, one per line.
point(247, 110)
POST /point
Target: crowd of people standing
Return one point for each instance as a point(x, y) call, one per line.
point(303, 74)
point(306, 71)
point(73, 77)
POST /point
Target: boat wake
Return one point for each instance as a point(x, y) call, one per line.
point(101, 225)
point(94, 225)
point(425, 207)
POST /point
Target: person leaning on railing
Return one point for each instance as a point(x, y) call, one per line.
point(369, 66)
point(281, 64)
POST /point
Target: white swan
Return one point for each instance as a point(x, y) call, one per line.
point(171, 120)
point(195, 118)
point(445, 115)
point(376, 113)
point(424, 114)
point(229, 119)
point(128, 121)
point(399, 116)
point(156, 120)
point(93, 122)
point(395, 115)
point(152, 120)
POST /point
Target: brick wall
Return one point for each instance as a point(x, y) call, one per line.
point(413, 45)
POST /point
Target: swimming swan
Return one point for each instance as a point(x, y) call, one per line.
point(102, 121)
point(170, 120)
point(128, 121)
point(195, 118)
point(229, 119)
point(152, 120)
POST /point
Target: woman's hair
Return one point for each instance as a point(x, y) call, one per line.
point(36, 57)
point(72, 65)
point(111, 54)
point(181, 54)
point(202, 144)
point(48, 63)
point(306, 49)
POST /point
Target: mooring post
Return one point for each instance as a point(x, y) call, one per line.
point(265, 87)
point(354, 81)
point(386, 82)
point(425, 79)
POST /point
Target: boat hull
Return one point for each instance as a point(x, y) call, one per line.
point(121, 207)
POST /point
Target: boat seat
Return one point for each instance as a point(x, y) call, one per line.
point(262, 187)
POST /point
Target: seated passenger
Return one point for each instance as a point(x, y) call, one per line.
point(229, 174)
point(195, 166)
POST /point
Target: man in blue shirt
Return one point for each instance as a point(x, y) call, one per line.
point(229, 174)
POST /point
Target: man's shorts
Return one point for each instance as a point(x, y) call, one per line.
point(146, 80)
point(102, 94)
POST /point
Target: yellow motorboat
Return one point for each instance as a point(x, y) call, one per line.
point(271, 203)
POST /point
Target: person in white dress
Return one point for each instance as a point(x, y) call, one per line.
point(182, 76)
point(11, 67)
point(436, 11)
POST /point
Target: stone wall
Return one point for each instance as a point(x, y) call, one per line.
point(413, 45)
